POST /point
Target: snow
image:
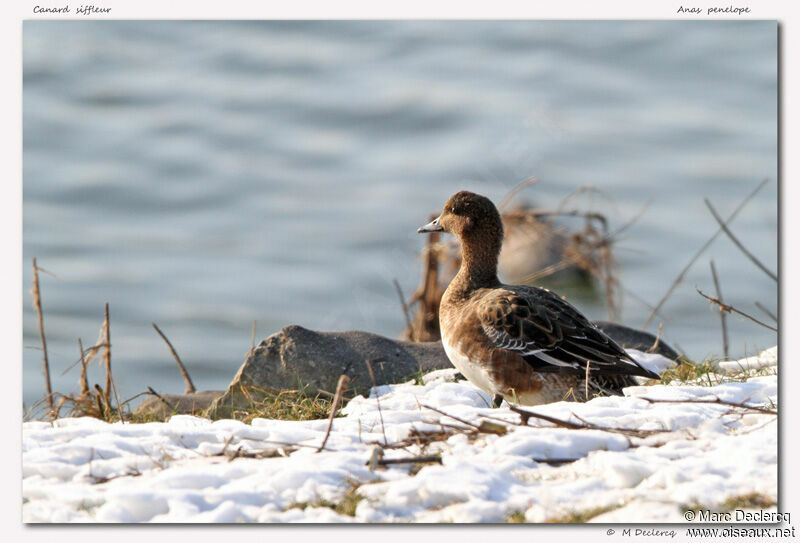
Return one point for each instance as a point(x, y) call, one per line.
point(700, 453)
point(763, 359)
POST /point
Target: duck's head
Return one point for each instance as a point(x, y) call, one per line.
point(468, 216)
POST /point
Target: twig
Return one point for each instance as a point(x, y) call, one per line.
point(654, 346)
point(412, 460)
point(574, 213)
point(716, 400)
point(253, 338)
point(404, 305)
point(107, 353)
point(87, 359)
point(632, 221)
point(586, 425)
point(586, 382)
point(729, 308)
point(702, 249)
point(110, 385)
point(738, 243)
point(577, 192)
point(513, 192)
point(129, 400)
point(341, 385)
point(37, 304)
point(51, 274)
point(160, 397)
point(462, 421)
point(377, 401)
point(225, 446)
point(84, 379)
point(102, 401)
point(555, 461)
point(767, 311)
point(188, 380)
point(525, 415)
point(722, 314)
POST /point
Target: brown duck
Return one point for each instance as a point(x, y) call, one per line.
point(520, 343)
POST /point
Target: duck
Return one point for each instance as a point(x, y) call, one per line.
point(519, 343)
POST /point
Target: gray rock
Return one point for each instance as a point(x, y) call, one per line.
point(301, 359)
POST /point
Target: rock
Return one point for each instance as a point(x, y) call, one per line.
point(181, 404)
point(297, 358)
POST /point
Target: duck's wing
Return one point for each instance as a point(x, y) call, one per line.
point(550, 334)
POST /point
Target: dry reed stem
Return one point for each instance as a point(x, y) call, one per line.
point(702, 249)
point(722, 314)
point(586, 382)
point(404, 307)
point(577, 192)
point(738, 243)
point(716, 400)
point(729, 308)
point(83, 379)
point(591, 215)
point(340, 387)
point(110, 385)
point(513, 192)
point(188, 380)
point(425, 326)
point(163, 400)
point(633, 220)
point(102, 402)
point(107, 353)
point(767, 311)
point(462, 421)
point(119, 404)
point(427, 459)
point(654, 346)
point(525, 415)
point(377, 400)
point(37, 304)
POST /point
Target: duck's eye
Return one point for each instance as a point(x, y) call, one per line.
point(453, 210)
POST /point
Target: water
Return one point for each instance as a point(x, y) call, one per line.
point(203, 175)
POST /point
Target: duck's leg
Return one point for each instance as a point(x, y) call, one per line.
point(498, 399)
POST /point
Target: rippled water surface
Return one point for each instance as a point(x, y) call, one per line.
point(207, 174)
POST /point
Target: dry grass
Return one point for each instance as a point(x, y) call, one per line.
point(285, 405)
point(702, 373)
point(754, 500)
point(346, 505)
point(517, 517)
point(705, 373)
point(580, 517)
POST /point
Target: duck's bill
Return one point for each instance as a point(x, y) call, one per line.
point(432, 226)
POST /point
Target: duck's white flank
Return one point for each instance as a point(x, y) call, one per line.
point(475, 373)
